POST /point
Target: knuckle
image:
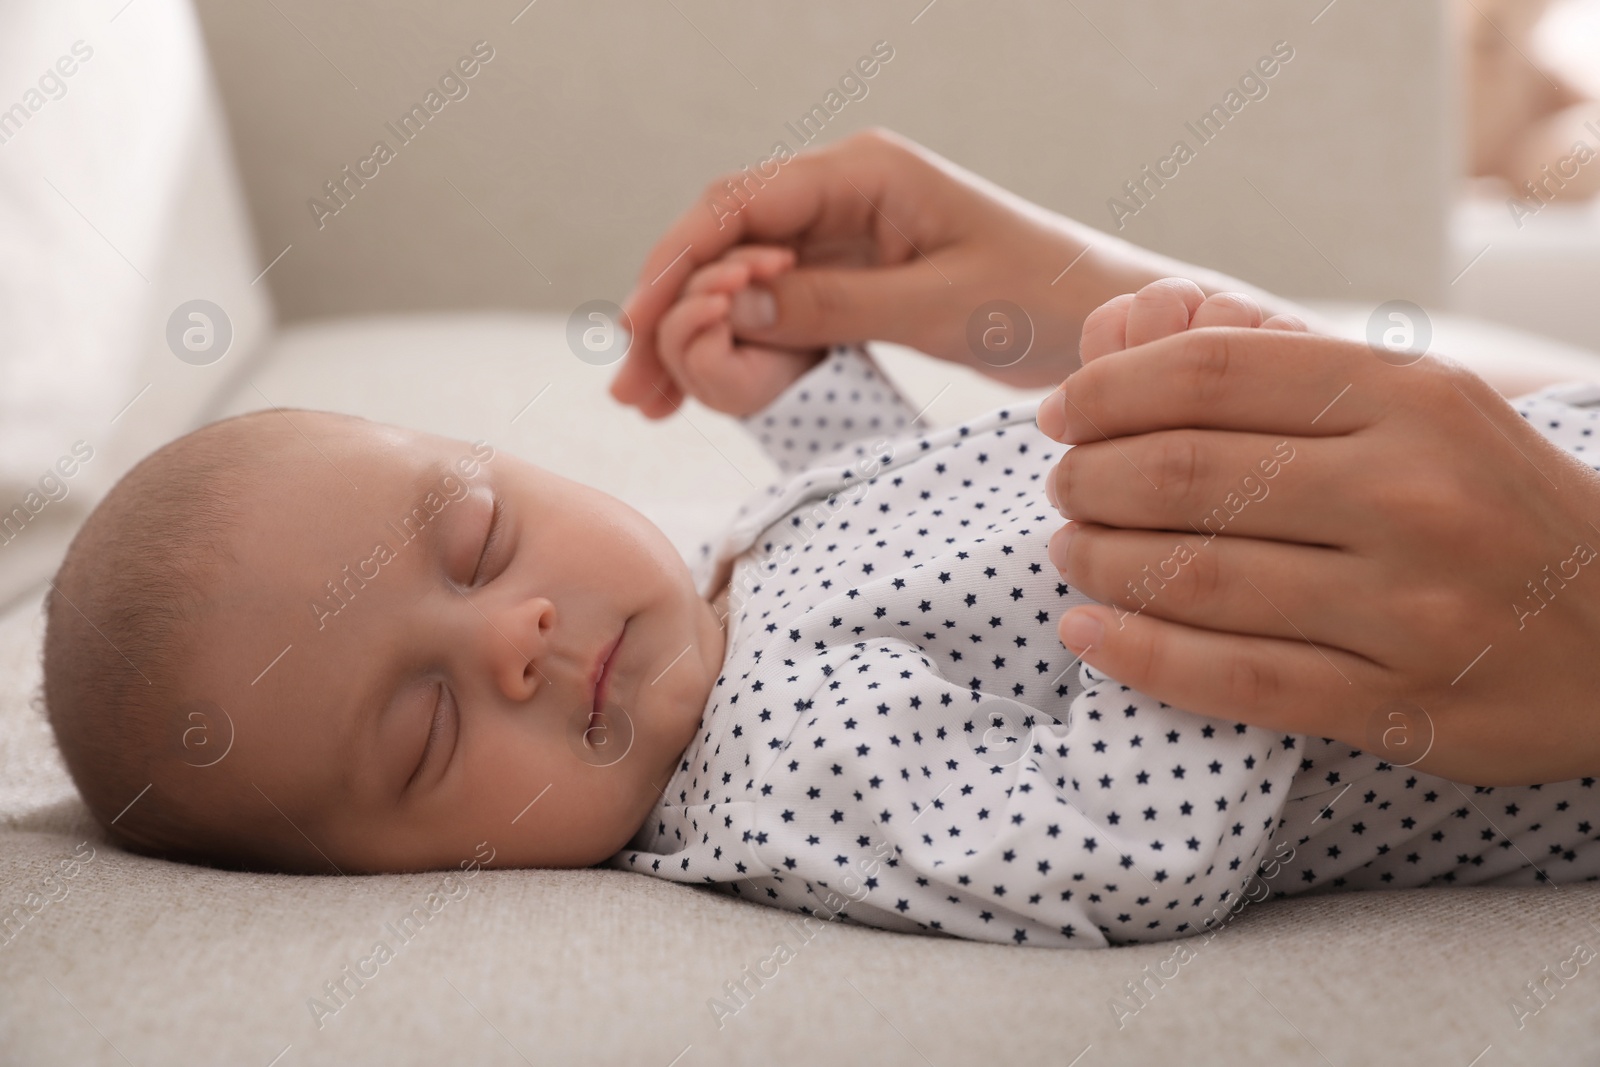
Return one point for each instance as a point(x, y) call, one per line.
point(1252, 683)
point(1208, 356)
point(1449, 389)
point(1421, 610)
point(1142, 655)
point(1201, 582)
point(1178, 468)
point(817, 299)
point(1173, 291)
point(1235, 308)
point(1428, 506)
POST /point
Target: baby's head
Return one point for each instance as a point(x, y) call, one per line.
point(302, 641)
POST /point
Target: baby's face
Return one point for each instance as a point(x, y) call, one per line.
point(442, 621)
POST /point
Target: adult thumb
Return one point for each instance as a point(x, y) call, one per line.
point(812, 307)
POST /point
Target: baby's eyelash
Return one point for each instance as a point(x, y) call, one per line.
point(435, 731)
point(490, 540)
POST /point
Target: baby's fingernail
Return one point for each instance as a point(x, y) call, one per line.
point(1050, 489)
point(1052, 417)
point(753, 309)
point(1081, 631)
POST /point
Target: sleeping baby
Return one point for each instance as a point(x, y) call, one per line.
point(300, 641)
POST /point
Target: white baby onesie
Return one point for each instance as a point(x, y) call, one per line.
point(899, 739)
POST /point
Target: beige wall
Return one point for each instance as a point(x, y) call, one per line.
point(596, 122)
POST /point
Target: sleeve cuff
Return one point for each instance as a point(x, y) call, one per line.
point(842, 400)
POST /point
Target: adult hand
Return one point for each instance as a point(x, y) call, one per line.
point(1290, 532)
point(894, 243)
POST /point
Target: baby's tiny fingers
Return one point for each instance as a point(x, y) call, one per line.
point(1162, 309)
point(1105, 329)
point(723, 276)
point(705, 363)
point(683, 322)
point(1227, 309)
point(741, 380)
point(765, 261)
point(1292, 323)
point(735, 269)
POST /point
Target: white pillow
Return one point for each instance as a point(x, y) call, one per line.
point(118, 204)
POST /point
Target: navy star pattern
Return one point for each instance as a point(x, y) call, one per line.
point(892, 590)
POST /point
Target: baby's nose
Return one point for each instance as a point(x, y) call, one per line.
point(518, 641)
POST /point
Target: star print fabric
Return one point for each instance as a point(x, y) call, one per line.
point(898, 738)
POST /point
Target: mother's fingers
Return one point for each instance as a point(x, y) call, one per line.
point(1288, 685)
point(827, 188)
point(701, 235)
point(1262, 381)
point(1212, 482)
point(645, 383)
point(1237, 584)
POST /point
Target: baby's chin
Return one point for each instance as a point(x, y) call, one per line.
point(677, 676)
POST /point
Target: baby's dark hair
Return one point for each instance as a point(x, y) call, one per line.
point(123, 621)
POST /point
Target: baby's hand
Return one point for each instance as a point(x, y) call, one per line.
point(696, 339)
point(1166, 307)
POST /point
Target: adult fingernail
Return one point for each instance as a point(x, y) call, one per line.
point(1058, 546)
point(753, 309)
point(1080, 631)
point(1052, 417)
